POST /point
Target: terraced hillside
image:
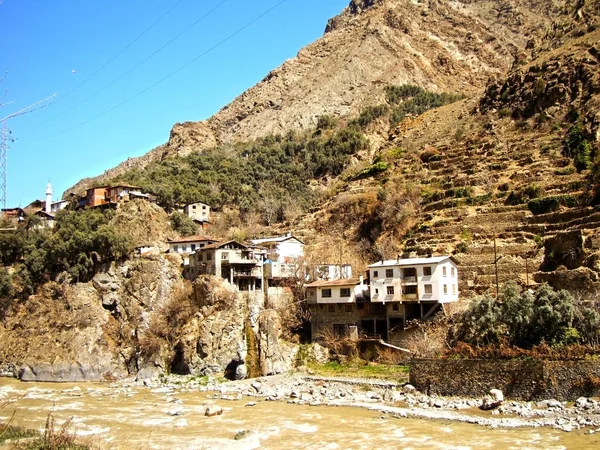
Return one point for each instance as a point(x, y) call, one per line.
point(493, 180)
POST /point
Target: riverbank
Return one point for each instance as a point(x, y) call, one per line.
point(392, 398)
point(172, 414)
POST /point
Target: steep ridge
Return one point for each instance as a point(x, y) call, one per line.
point(452, 46)
point(494, 179)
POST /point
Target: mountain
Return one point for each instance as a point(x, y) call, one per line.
point(451, 46)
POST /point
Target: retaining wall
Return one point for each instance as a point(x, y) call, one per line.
point(518, 379)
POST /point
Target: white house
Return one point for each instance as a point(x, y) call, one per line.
point(419, 280)
point(198, 211)
point(283, 249)
point(188, 245)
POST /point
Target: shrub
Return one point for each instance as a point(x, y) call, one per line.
point(183, 224)
point(371, 171)
point(370, 113)
point(576, 146)
point(550, 204)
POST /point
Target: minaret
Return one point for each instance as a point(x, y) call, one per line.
point(48, 197)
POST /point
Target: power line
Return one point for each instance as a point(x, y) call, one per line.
point(138, 64)
point(218, 44)
point(123, 50)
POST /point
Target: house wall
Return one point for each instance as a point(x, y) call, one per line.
point(323, 318)
point(198, 211)
point(96, 197)
point(290, 249)
point(315, 294)
point(380, 282)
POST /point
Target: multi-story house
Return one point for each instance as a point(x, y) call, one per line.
point(331, 271)
point(240, 264)
point(199, 212)
point(337, 306)
point(400, 290)
point(284, 254)
point(188, 245)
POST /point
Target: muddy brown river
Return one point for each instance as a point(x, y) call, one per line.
point(143, 418)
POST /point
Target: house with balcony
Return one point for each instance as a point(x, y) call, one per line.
point(188, 245)
point(282, 249)
point(413, 288)
point(337, 306)
point(240, 264)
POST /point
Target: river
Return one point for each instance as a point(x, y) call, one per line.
point(143, 418)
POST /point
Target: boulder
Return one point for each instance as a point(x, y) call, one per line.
point(213, 410)
point(241, 372)
point(492, 400)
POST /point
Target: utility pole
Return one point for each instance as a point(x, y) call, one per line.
point(5, 138)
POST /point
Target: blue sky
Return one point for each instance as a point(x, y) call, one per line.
point(90, 53)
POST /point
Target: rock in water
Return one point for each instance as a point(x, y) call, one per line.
point(213, 410)
point(492, 400)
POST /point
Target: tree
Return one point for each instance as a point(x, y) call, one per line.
point(183, 224)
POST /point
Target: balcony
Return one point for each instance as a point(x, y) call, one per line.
point(409, 279)
point(410, 297)
point(238, 259)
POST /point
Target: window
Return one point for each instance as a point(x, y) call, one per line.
point(428, 289)
point(184, 248)
point(452, 271)
point(376, 291)
point(326, 293)
point(203, 206)
point(345, 292)
point(395, 307)
point(348, 307)
point(331, 308)
point(390, 290)
point(444, 271)
point(193, 206)
point(225, 255)
point(176, 248)
point(208, 256)
point(389, 273)
point(412, 289)
point(375, 274)
point(193, 247)
point(454, 289)
point(201, 257)
point(427, 271)
point(375, 308)
point(445, 289)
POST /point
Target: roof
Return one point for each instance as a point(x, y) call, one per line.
point(275, 239)
point(195, 238)
point(126, 186)
point(43, 213)
point(222, 244)
point(196, 203)
point(340, 282)
point(412, 261)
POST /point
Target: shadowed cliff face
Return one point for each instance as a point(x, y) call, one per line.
point(451, 46)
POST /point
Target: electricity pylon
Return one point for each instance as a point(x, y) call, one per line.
point(5, 138)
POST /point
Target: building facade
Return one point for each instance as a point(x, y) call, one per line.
point(188, 245)
point(283, 249)
point(398, 291)
point(198, 211)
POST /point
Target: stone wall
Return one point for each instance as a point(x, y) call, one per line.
point(518, 379)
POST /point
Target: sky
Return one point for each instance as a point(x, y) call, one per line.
point(124, 72)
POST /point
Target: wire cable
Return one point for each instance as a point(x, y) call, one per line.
point(123, 50)
point(166, 77)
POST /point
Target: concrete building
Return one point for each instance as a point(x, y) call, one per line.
point(240, 264)
point(337, 307)
point(400, 290)
point(282, 249)
point(199, 212)
point(188, 245)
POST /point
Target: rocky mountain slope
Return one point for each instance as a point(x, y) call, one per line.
point(451, 46)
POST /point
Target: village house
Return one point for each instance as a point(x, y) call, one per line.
point(400, 290)
point(337, 307)
point(188, 245)
point(199, 212)
point(284, 254)
point(111, 195)
point(240, 264)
